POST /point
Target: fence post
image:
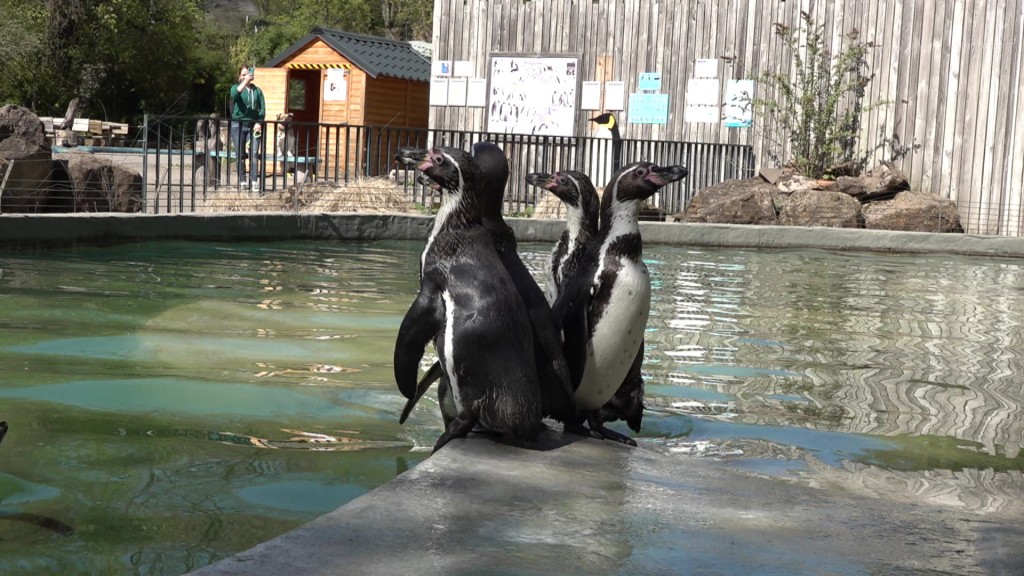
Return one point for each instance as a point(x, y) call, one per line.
point(145, 162)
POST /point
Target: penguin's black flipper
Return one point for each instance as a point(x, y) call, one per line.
point(421, 323)
point(570, 315)
point(428, 379)
point(628, 402)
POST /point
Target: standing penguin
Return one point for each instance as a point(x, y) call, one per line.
point(582, 208)
point(605, 306)
point(553, 371)
point(468, 305)
point(576, 190)
point(556, 383)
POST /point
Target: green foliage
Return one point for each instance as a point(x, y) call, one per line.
point(126, 58)
point(818, 105)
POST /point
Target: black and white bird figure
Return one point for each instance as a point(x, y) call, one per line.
point(604, 307)
point(606, 159)
point(582, 210)
point(470, 308)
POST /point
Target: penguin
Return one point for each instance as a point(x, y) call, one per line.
point(469, 306)
point(582, 206)
point(3, 430)
point(556, 383)
point(577, 192)
point(555, 377)
point(604, 307)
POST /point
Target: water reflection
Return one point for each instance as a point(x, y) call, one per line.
point(174, 402)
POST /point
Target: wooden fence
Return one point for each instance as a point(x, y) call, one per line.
point(950, 72)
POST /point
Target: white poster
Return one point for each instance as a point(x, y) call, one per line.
point(615, 95)
point(739, 103)
point(533, 95)
point(457, 92)
point(702, 92)
point(590, 96)
point(476, 92)
point(335, 85)
point(439, 92)
point(441, 67)
point(463, 68)
point(706, 68)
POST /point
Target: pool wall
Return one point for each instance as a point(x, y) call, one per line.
point(31, 229)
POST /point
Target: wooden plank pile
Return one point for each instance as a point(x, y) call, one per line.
point(85, 132)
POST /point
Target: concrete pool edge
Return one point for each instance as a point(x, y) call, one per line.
point(64, 229)
point(584, 506)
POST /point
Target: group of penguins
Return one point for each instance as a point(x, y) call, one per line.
point(509, 353)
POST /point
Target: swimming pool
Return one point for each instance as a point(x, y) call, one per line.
point(172, 403)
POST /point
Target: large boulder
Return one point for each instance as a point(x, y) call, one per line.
point(25, 161)
point(913, 211)
point(102, 185)
point(821, 208)
point(749, 201)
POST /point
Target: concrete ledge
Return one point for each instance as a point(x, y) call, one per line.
point(21, 229)
point(582, 506)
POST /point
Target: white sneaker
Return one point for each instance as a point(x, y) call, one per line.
point(243, 185)
point(255, 186)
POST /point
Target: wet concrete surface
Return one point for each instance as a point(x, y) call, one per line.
point(583, 506)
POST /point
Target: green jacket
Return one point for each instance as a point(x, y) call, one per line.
point(247, 104)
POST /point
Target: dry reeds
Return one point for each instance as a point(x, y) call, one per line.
point(366, 195)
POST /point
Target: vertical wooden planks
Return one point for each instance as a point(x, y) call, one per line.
point(946, 186)
point(1015, 171)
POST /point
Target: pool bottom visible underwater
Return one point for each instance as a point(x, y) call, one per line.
point(174, 403)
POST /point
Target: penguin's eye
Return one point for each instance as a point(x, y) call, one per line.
point(640, 172)
point(560, 180)
point(437, 159)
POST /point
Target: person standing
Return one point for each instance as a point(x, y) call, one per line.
point(248, 110)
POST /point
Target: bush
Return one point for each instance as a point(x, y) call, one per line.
point(817, 106)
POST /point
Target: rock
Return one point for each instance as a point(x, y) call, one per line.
point(852, 185)
point(796, 183)
point(25, 161)
point(771, 175)
point(747, 201)
point(913, 211)
point(821, 208)
point(883, 182)
point(101, 185)
point(22, 123)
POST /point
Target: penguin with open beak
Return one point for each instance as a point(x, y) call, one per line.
point(604, 307)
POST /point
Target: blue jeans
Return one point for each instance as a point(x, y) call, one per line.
point(242, 135)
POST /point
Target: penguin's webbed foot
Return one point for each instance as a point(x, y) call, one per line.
point(596, 426)
point(459, 427)
point(580, 430)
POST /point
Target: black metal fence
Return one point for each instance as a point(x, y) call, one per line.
point(190, 162)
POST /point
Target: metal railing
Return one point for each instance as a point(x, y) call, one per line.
point(188, 161)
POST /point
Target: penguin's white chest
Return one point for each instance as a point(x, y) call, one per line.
point(448, 350)
point(617, 336)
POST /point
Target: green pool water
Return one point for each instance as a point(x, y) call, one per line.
point(173, 403)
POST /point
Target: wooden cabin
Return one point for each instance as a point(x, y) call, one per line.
point(338, 80)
